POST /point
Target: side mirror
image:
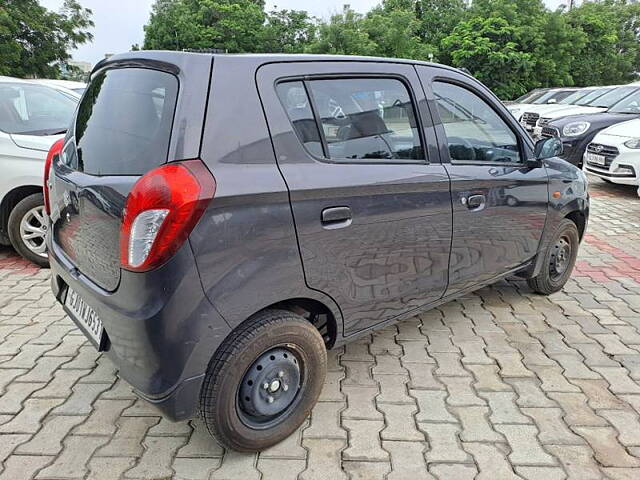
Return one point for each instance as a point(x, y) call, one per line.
point(552, 101)
point(548, 148)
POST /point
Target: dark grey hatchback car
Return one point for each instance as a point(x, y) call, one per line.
point(219, 221)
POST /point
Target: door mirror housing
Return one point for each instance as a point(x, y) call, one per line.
point(552, 101)
point(548, 148)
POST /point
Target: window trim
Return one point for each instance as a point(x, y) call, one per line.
point(477, 93)
point(305, 79)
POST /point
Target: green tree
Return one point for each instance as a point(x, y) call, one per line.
point(343, 34)
point(34, 41)
point(487, 48)
point(286, 31)
point(395, 30)
point(612, 28)
point(232, 25)
point(437, 20)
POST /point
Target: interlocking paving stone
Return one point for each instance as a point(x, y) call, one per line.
point(606, 447)
point(525, 448)
point(48, 441)
point(491, 460)
point(23, 466)
point(364, 441)
point(156, 459)
point(444, 445)
point(501, 383)
point(407, 460)
point(475, 425)
point(432, 406)
point(366, 470)
point(277, 469)
point(457, 472)
point(72, 463)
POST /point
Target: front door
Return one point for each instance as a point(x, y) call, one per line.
point(371, 204)
point(499, 203)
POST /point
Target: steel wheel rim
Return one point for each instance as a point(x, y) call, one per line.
point(270, 388)
point(33, 231)
point(560, 258)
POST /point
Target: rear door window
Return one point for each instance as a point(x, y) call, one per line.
point(124, 121)
point(369, 119)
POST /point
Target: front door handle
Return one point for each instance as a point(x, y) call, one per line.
point(336, 217)
point(475, 202)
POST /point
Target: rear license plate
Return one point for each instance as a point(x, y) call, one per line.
point(85, 316)
point(596, 159)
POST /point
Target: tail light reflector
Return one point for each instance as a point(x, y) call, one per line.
point(55, 150)
point(161, 210)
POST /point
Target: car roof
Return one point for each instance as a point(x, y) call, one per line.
point(262, 58)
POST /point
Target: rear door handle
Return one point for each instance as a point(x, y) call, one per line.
point(475, 202)
point(336, 217)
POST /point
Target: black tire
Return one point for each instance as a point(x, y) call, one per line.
point(23, 207)
point(231, 372)
point(551, 279)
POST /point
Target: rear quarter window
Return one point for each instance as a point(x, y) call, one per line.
point(124, 121)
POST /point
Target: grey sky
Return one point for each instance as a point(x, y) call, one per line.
point(118, 23)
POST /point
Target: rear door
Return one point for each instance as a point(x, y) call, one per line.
point(370, 199)
point(123, 129)
point(499, 202)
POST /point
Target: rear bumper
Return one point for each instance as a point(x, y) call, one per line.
point(161, 328)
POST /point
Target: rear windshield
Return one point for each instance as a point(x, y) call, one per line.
point(124, 121)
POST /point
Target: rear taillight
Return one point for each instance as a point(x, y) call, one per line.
point(161, 211)
point(55, 150)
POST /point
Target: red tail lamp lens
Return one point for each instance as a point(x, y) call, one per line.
point(161, 211)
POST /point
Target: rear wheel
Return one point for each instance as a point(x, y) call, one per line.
point(27, 229)
point(263, 381)
point(559, 260)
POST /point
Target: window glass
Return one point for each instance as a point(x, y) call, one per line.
point(553, 96)
point(630, 104)
point(614, 96)
point(575, 96)
point(597, 93)
point(367, 118)
point(31, 109)
point(123, 125)
point(475, 132)
point(530, 96)
point(294, 98)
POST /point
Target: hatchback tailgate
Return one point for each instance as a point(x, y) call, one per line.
point(139, 111)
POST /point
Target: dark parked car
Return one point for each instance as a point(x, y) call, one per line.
point(219, 221)
point(577, 131)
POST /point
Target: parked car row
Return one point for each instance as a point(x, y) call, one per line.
point(598, 127)
point(33, 115)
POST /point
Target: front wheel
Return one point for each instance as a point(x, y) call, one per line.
point(263, 381)
point(27, 229)
point(559, 259)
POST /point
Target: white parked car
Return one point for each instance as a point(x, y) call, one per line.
point(582, 98)
point(77, 87)
point(600, 104)
point(549, 97)
point(32, 117)
point(614, 153)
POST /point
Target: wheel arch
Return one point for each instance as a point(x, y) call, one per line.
point(11, 199)
point(580, 219)
point(316, 312)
